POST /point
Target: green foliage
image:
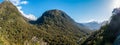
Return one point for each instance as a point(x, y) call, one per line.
point(55, 29)
point(61, 27)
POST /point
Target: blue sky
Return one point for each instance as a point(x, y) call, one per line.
point(80, 10)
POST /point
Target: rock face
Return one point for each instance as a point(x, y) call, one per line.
point(116, 11)
point(114, 26)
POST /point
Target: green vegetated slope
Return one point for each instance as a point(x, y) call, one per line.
point(14, 30)
point(54, 27)
point(61, 26)
point(108, 34)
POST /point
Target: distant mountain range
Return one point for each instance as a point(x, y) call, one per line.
point(93, 25)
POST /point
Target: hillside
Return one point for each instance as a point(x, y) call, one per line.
point(60, 25)
point(14, 29)
point(54, 27)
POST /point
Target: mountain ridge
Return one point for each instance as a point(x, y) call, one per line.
point(93, 25)
point(52, 28)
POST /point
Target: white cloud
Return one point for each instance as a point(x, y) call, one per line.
point(24, 2)
point(115, 3)
point(86, 21)
point(91, 20)
point(17, 3)
point(31, 16)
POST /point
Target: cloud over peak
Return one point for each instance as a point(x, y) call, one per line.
point(24, 2)
point(18, 4)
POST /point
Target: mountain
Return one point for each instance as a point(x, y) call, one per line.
point(84, 27)
point(58, 23)
point(93, 25)
point(108, 34)
point(59, 19)
point(14, 29)
point(54, 27)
